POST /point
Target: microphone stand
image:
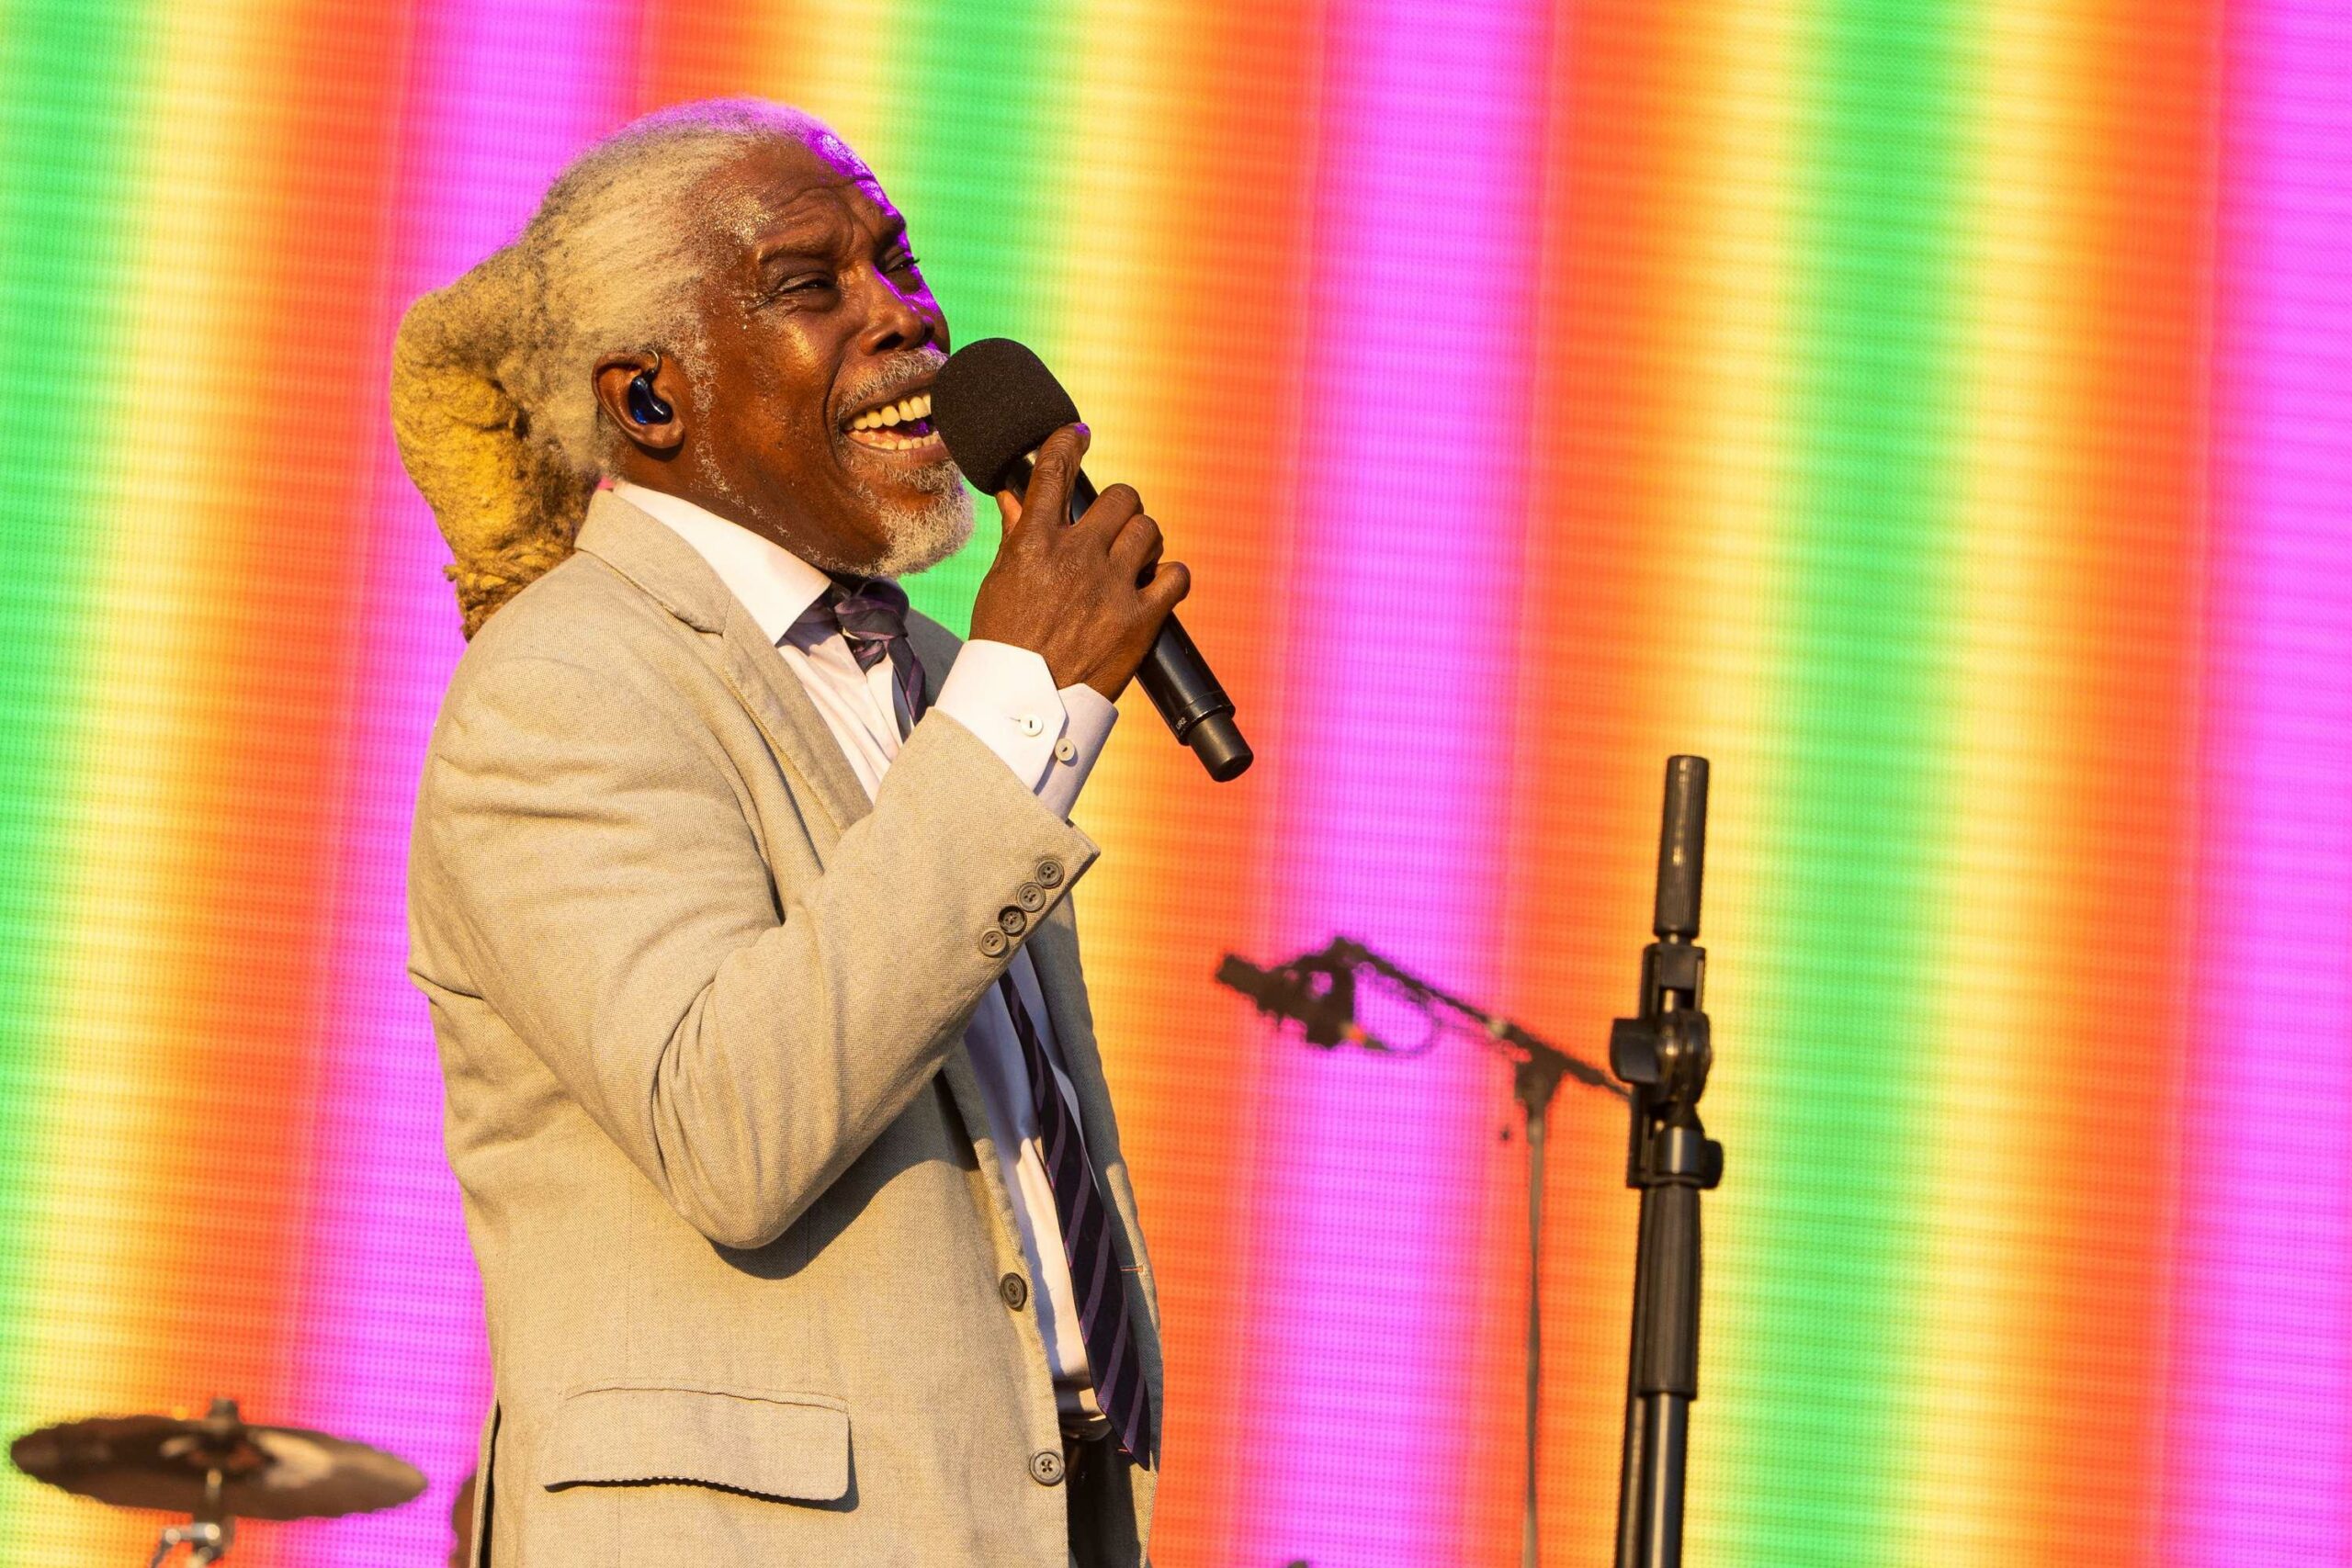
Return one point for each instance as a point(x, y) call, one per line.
point(1665, 1053)
point(1536, 1071)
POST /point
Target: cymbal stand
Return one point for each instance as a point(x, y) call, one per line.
point(209, 1535)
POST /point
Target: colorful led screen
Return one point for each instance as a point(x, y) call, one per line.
point(1938, 414)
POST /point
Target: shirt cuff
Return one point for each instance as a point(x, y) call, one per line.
point(1005, 696)
point(1090, 717)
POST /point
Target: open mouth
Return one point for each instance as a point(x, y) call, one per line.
point(902, 424)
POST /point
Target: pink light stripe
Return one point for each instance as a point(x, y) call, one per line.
point(2261, 1443)
point(1369, 1173)
point(500, 96)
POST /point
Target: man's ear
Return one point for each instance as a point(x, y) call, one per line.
point(641, 393)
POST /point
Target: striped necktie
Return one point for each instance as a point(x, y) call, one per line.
point(872, 618)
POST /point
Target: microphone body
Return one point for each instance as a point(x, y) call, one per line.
point(994, 402)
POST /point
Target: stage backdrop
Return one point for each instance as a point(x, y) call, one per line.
point(1935, 411)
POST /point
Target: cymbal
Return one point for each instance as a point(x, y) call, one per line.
point(267, 1472)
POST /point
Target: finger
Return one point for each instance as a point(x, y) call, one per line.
point(1137, 549)
point(1169, 587)
point(1056, 467)
point(1111, 513)
point(1008, 506)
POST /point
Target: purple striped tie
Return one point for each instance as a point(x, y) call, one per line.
point(874, 620)
point(873, 616)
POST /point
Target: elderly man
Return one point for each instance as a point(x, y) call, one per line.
point(742, 895)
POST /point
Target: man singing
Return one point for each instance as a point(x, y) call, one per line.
point(742, 895)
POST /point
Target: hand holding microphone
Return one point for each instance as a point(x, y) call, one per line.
point(1089, 595)
point(1059, 589)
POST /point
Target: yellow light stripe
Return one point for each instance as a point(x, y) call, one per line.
point(1737, 278)
point(1977, 1372)
point(843, 62)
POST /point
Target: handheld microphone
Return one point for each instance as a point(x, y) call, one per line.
point(993, 403)
point(1290, 992)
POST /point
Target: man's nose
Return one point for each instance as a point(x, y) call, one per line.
point(893, 321)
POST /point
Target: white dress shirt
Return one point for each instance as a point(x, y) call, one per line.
point(1050, 739)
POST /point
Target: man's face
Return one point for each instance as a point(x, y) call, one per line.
point(810, 392)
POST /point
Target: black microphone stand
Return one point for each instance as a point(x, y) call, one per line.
point(1325, 981)
point(1665, 1053)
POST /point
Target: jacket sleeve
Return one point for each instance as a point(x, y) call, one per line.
point(590, 858)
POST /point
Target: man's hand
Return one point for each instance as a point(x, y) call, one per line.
point(1091, 595)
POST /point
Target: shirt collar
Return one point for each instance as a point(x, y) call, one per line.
point(776, 586)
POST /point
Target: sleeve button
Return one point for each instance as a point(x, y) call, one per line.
point(1049, 873)
point(1045, 1468)
point(1030, 896)
point(1014, 1290)
point(993, 942)
point(1066, 750)
point(1010, 921)
point(1030, 724)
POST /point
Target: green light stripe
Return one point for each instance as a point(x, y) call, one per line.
point(69, 72)
point(982, 199)
point(1842, 1019)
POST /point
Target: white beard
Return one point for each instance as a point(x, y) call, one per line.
point(921, 537)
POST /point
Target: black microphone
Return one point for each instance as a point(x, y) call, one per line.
point(1681, 850)
point(1328, 1013)
point(993, 403)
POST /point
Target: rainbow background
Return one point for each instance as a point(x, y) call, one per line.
point(1937, 412)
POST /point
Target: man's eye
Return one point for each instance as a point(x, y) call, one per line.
point(902, 260)
point(802, 285)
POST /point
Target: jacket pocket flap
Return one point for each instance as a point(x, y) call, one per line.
point(777, 1445)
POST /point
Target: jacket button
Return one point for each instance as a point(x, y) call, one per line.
point(1014, 1290)
point(1030, 896)
point(1049, 873)
point(993, 942)
point(1045, 1468)
point(1011, 922)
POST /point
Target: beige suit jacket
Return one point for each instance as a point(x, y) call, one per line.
point(746, 1254)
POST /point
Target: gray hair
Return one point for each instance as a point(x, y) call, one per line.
point(492, 395)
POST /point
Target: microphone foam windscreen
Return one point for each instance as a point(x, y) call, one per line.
point(993, 402)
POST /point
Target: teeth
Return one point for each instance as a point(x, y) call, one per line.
point(891, 440)
point(904, 411)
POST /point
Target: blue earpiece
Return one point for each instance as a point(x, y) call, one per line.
point(645, 405)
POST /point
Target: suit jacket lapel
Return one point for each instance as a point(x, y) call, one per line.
point(780, 705)
point(650, 555)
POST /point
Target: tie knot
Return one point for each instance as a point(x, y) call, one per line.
point(873, 615)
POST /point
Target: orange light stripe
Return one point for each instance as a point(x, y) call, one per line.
point(1183, 345)
point(286, 494)
point(1655, 507)
point(1585, 821)
point(709, 48)
point(2131, 506)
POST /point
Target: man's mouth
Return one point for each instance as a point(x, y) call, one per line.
point(902, 424)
